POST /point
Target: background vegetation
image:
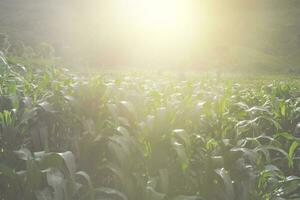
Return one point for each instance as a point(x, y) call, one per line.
point(257, 34)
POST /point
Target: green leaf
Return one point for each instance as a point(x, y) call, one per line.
point(228, 187)
point(44, 194)
point(292, 150)
point(183, 197)
point(153, 195)
point(109, 194)
point(24, 154)
point(164, 180)
point(57, 182)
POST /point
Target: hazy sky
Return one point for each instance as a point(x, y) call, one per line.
point(162, 32)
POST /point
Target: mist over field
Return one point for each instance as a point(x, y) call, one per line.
point(149, 99)
point(235, 34)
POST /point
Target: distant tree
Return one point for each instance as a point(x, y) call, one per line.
point(4, 43)
point(17, 49)
point(45, 50)
point(29, 52)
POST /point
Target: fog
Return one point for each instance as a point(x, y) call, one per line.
point(194, 34)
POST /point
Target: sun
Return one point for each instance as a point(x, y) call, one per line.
point(161, 29)
point(157, 14)
point(160, 16)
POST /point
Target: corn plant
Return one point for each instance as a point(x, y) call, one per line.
point(153, 137)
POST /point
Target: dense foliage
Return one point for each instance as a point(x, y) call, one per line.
point(118, 137)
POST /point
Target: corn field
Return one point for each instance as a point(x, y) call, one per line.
point(146, 137)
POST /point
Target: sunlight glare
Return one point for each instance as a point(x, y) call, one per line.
point(165, 25)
